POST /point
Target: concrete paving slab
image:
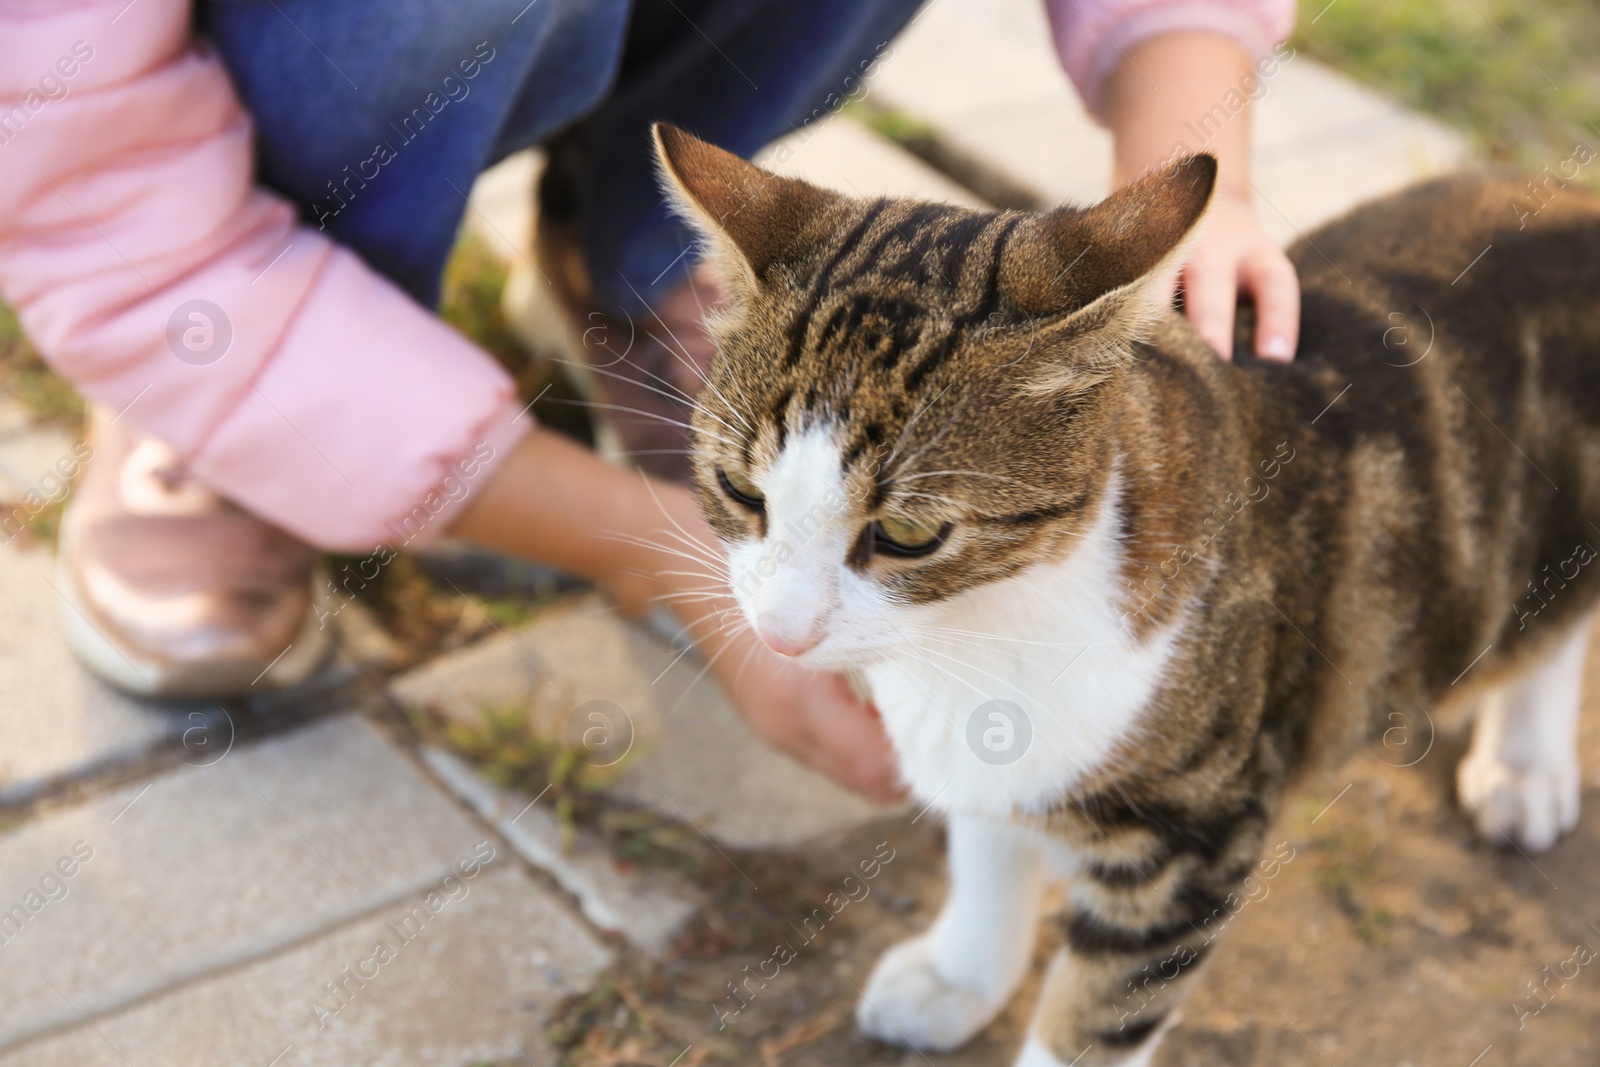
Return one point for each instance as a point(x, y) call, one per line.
point(37, 459)
point(841, 154)
point(647, 906)
point(56, 721)
point(469, 970)
point(1323, 143)
point(700, 763)
point(984, 75)
point(209, 867)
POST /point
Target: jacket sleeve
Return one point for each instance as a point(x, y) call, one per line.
point(1091, 36)
point(305, 387)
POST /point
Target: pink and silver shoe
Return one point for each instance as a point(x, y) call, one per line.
point(172, 592)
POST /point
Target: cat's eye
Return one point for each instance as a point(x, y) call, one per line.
point(895, 536)
point(741, 489)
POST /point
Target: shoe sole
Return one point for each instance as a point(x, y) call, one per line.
point(215, 680)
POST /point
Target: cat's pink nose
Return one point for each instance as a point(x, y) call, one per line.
point(790, 644)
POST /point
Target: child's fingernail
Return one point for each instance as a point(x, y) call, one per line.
point(1276, 348)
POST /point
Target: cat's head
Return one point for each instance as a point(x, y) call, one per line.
point(910, 400)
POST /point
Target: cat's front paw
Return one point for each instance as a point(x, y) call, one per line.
point(909, 1003)
point(1531, 807)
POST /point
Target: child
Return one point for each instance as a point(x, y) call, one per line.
point(228, 243)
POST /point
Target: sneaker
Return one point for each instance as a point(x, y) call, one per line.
point(172, 592)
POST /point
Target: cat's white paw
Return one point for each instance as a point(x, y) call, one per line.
point(1531, 806)
point(1034, 1054)
point(908, 1003)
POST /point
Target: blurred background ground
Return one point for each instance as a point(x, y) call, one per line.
point(1521, 79)
point(1392, 937)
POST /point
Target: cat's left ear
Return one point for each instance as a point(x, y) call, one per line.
point(754, 220)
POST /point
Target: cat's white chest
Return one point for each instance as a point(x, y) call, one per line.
point(1007, 698)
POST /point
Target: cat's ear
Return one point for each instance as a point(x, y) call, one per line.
point(752, 218)
point(1064, 260)
point(1106, 274)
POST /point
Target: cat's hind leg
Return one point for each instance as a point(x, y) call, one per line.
point(1520, 779)
point(935, 991)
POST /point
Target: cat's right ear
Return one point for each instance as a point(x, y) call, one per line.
point(752, 219)
point(1103, 276)
point(1137, 238)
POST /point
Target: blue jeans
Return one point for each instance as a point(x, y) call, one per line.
point(375, 118)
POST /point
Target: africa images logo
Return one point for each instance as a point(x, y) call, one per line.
point(999, 732)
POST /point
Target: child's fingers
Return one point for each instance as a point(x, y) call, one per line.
point(1269, 276)
point(820, 721)
point(1210, 290)
point(847, 743)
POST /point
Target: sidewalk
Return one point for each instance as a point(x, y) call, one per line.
point(301, 884)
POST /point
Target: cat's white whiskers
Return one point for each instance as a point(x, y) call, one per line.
point(694, 544)
point(672, 392)
point(707, 383)
point(727, 622)
point(713, 570)
point(938, 702)
point(704, 375)
point(710, 386)
point(680, 352)
point(909, 643)
point(702, 552)
point(967, 644)
point(665, 549)
point(686, 595)
point(633, 453)
point(724, 593)
point(676, 395)
point(684, 535)
point(744, 664)
point(685, 598)
point(656, 415)
point(663, 322)
point(1013, 686)
point(724, 626)
point(987, 636)
point(677, 344)
point(678, 349)
point(1011, 656)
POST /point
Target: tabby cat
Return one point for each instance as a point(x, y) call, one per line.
point(1111, 593)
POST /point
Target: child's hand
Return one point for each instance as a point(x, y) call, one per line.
point(1234, 255)
point(816, 718)
point(1151, 99)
